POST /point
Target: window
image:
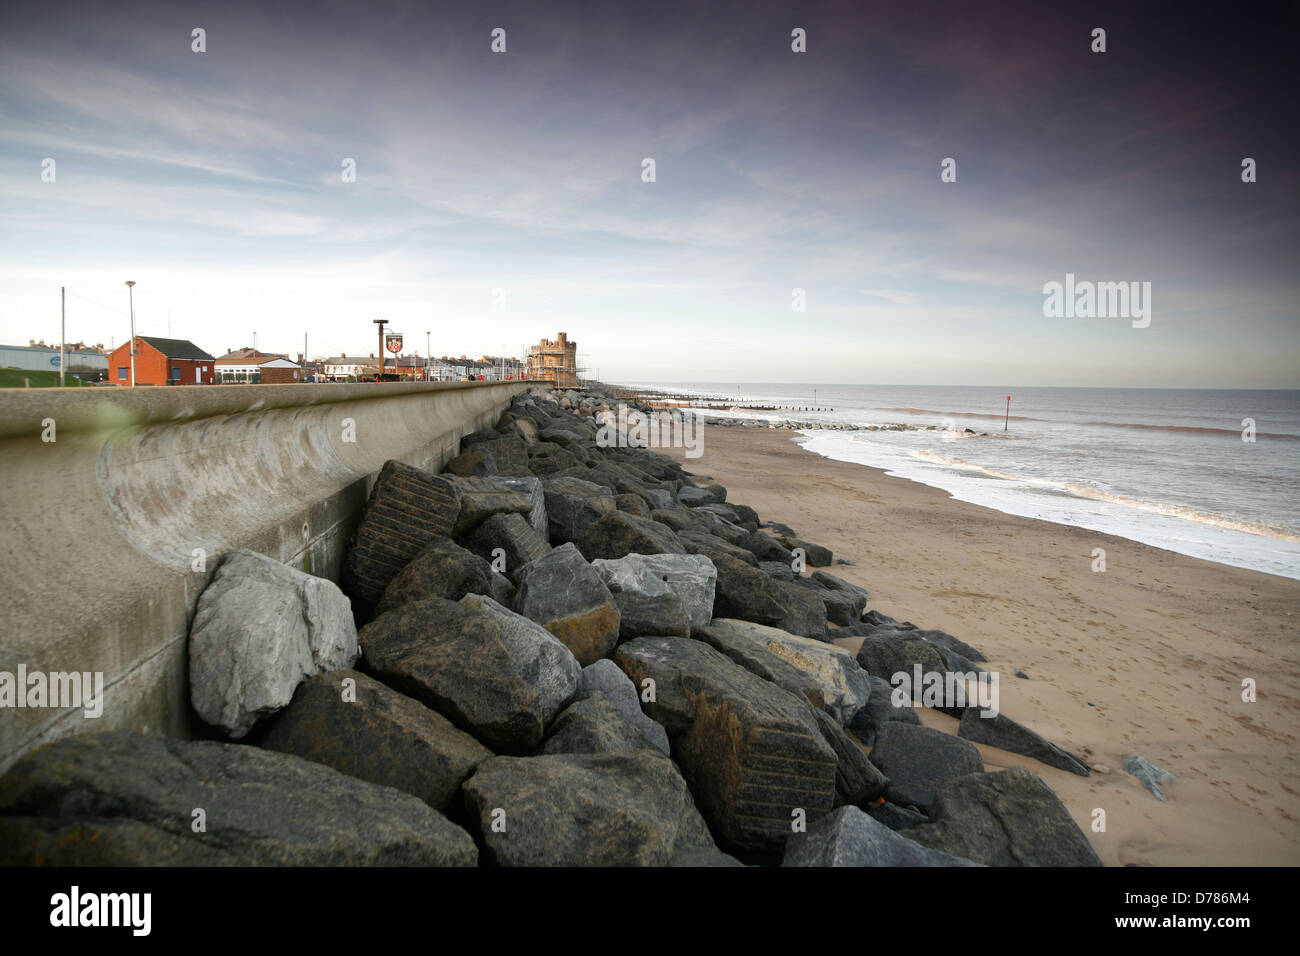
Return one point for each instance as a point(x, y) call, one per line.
point(122, 373)
point(176, 373)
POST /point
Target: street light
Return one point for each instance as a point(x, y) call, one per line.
point(130, 292)
point(428, 351)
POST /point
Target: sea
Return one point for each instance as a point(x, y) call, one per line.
point(1204, 472)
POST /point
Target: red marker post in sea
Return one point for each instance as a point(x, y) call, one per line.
point(1008, 418)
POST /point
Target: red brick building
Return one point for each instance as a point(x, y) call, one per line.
point(161, 362)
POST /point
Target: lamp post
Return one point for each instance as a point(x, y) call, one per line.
point(130, 292)
point(381, 323)
point(428, 352)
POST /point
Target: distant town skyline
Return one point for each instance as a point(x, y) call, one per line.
point(502, 197)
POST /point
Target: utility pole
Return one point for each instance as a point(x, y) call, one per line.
point(428, 351)
point(130, 291)
point(381, 323)
point(63, 333)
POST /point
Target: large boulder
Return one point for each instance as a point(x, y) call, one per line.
point(1010, 818)
point(753, 753)
point(764, 547)
point(507, 536)
point(746, 593)
point(884, 655)
point(605, 680)
point(920, 761)
point(547, 458)
point(494, 673)
point(408, 508)
point(619, 534)
point(844, 601)
point(261, 628)
point(566, 595)
point(367, 730)
point(691, 577)
point(879, 709)
point(857, 779)
point(594, 725)
point(713, 547)
point(573, 505)
point(125, 799)
point(849, 837)
point(482, 497)
point(444, 570)
point(1004, 733)
point(826, 675)
point(604, 809)
point(693, 497)
point(504, 455)
point(815, 556)
point(644, 615)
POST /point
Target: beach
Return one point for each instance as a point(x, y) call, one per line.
point(1147, 657)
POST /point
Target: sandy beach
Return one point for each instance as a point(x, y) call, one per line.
point(1146, 658)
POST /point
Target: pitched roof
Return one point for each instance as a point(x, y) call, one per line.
point(182, 349)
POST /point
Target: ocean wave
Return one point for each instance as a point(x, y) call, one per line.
point(931, 411)
point(1234, 432)
point(1093, 493)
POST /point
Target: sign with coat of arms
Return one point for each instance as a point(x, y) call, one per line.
point(393, 341)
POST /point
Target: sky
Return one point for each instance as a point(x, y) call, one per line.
point(501, 197)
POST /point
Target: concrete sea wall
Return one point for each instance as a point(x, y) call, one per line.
point(117, 506)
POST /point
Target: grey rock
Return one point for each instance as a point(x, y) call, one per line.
point(619, 534)
point(573, 505)
point(260, 628)
point(815, 556)
point(659, 497)
point(606, 680)
point(857, 780)
point(408, 508)
point(640, 615)
point(766, 548)
point(878, 710)
point(594, 725)
point(568, 597)
point(778, 570)
point(481, 498)
point(745, 592)
point(849, 837)
point(691, 577)
point(826, 676)
point(124, 799)
point(713, 547)
point(844, 601)
point(896, 817)
point(367, 730)
point(504, 455)
point(1004, 733)
point(493, 673)
point(1010, 818)
point(513, 535)
point(445, 570)
point(920, 761)
point(751, 752)
point(604, 809)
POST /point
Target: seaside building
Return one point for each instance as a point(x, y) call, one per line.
point(160, 361)
point(83, 360)
point(555, 361)
point(251, 367)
